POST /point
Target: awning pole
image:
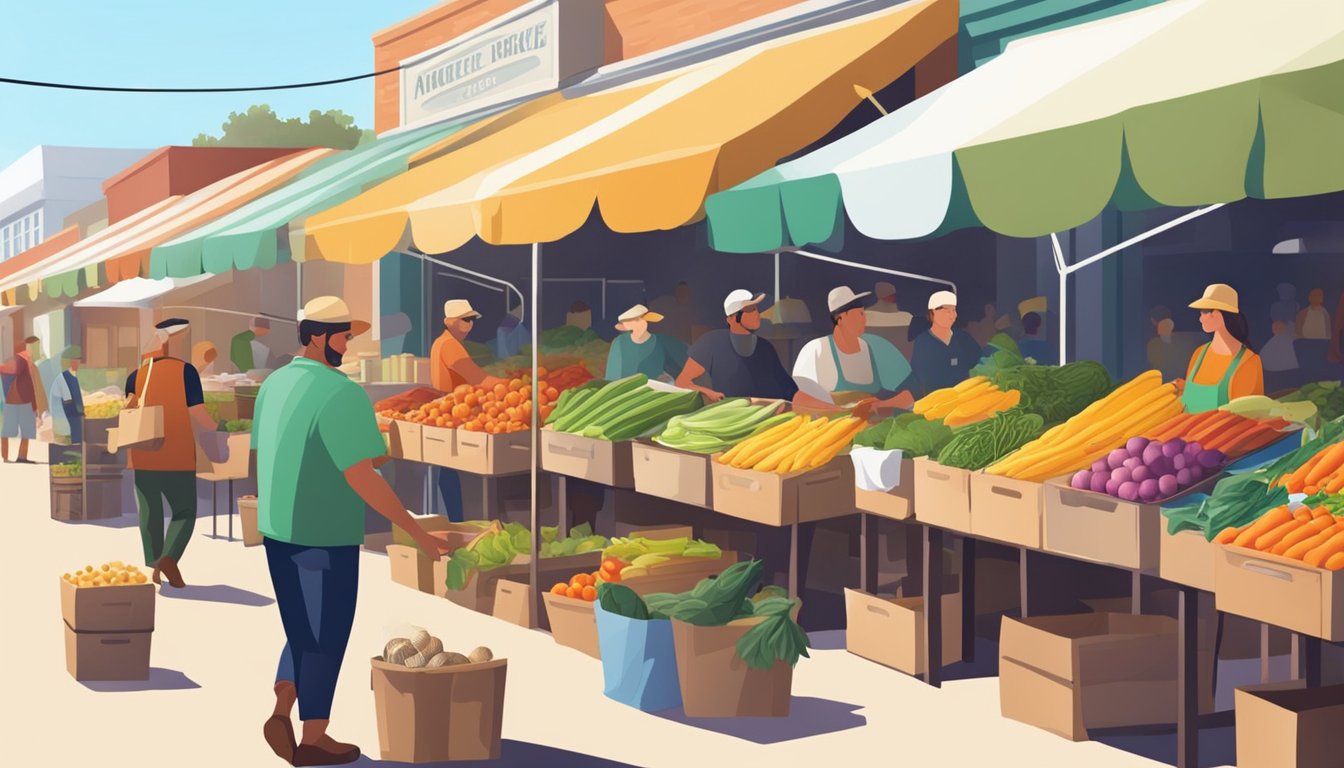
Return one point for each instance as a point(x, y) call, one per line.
point(777, 297)
point(1063, 271)
point(533, 572)
point(882, 270)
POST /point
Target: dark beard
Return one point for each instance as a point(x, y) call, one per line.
point(334, 358)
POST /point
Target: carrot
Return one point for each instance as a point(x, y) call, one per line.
point(1332, 460)
point(1256, 441)
point(1210, 427)
point(1316, 526)
point(1311, 490)
point(1302, 514)
point(1179, 425)
point(1336, 562)
point(1298, 477)
point(1334, 483)
point(1276, 534)
point(1320, 512)
point(1301, 548)
point(1323, 552)
point(1224, 440)
point(1226, 536)
point(1271, 520)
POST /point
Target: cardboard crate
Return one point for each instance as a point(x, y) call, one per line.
point(107, 655)
point(1279, 591)
point(404, 440)
point(67, 498)
point(1066, 674)
point(716, 682)
point(411, 568)
point(481, 453)
point(482, 586)
point(247, 516)
point(573, 623)
point(1187, 558)
point(890, 630)
point(660, 532)
point(1285, 724)
point(671, 474)
point(587, 458)
point(896, 504)
point(436, 445)
point(1105, 529)
point(942, 495)
point(436, 715)
point(123, 608)
point(680, 575)
point(1006, 510)
point(773, 499)
point(455, 534)
point(513, 603)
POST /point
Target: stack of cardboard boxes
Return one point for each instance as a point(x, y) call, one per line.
point(107, 631)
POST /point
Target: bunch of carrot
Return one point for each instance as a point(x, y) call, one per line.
point(1314, 536)
point(1231, 433)
point(1322, 472)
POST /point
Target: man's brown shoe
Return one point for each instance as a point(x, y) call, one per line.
point(329, 753)
point(169, 568)
point(279, 733)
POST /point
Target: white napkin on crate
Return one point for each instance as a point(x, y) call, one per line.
point(876, 470)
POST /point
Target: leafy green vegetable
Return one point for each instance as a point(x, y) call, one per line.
point(978, 445)
point(235, 425)
point(1328, 396)
point(909, 433)
point(622, 601)
point(778, 638)
point(1236, 500)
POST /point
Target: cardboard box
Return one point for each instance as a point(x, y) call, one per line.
point(587, 458)
point(890, 631)
point(896, 504)
point(404, 440)
point(434, 715)
point(1066, 674)
point(236, 447)
point(670, 474)
point(513, 603)
point(1279, 591)
point(716, 682)
point(1187, 558)
point(125, 608)
point(680, 575)
point(479, 453)
point(411, 568)
point(482, 586)
point(1007, 510)
point(942, 495)
point(1105, 529)
point(573, 623)
point(107, 655)
point(436, 445)
point(662, 532)
point(247, 515)
point(773, 499)
point(1285, 724)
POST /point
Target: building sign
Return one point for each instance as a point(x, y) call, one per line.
point(520, 55)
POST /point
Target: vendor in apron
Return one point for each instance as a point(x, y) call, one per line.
point(1226, 368)
point(850, 369)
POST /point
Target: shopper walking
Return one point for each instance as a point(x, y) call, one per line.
point(944, 355)
point(318, 446)
point(850, 367)
point(25, 400)
point(166, 469)
point(637, 350)
point(67, 415)
point(1225, 368)
point(737, 361)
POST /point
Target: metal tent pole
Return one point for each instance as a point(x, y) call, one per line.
point(866, 267)
point(534, 574)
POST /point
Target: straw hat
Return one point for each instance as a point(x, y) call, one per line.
point(332, 311)
point(843, 298)
point(1218, 296)
point(636, 312)
point(456, 309)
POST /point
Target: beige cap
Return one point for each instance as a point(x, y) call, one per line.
point(739, 300)
point(455, 309)
point(333, 311)
point(1037, 305)
point(636, 312)
point(1218, 296)
point(942, 299)
point(842, 297)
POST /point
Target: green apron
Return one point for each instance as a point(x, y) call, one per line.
point(844, 385)
point(1198, 398)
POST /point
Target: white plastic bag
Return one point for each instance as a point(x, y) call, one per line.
point(876, 470)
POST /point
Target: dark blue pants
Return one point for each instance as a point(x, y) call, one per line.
point(450, 488)
point(315, 589)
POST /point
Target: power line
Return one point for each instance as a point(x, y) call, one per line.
point(123, 89)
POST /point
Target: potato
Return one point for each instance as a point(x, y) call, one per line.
point(481, 654)
point(455, 658)
point(432, 648)
point(416, 661)
point(420, 639)
point(387, 649)
point(438, 660)
point(400, 653)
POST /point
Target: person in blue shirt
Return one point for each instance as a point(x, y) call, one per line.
point(636, 350)
point(736, 360)
point(1032, 345)
point(944, 356)
point(850, 367)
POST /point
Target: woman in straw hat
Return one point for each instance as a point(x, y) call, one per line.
point(1225, 368)
point(637, 350)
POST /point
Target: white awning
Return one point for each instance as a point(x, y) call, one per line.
point(137, 292)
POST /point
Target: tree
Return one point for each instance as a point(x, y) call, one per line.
point(259, 126)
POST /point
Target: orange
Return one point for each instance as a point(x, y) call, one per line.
point(559, 589)
point(501, 390)
point(574, 592)
point(552, 393)
point(590, 593)
point(512, 399)
point(612, 576)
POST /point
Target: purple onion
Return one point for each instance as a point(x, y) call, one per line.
point(1099, 480)
point(1168, 485)
point(1100, 465)
point(1185, 477)
point(1192, 449)
point(1128, 491)
point(1160, 467)
point(1140, 473)
point(1116, 458)
point(1132, 462)
point(1082, 480)
point(1136, 445)
point(1152, 453)
point(1173, 447)
point(1113, 487)
point(1179, 462)
point(1122, 475)
point(1148, 489)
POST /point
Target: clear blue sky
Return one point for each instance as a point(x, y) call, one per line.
point(158, 43)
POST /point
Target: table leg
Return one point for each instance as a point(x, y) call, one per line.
point(1311, 661)
point(1295, 657)
point(867, 552)
point(1136, 593)
point(214, 510)
point(793, 560)
point(1023, 556)
point(1264, 653)
point(487, 502)
point(933, 606)
point(562, 503)
point(1187, 682)
point(229, 510)
point(967, 599)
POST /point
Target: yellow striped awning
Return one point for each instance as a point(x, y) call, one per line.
point(646, 153)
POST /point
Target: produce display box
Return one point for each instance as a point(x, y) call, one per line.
point(778, 500)
point(455, 534)
point(404, 440)
point(1104, 529)
point(895, 504)
point(890, 631)
point(107, 655)
point(716, 682)
point(1006, 509)
point(513, 603)
point(247, 516)
point(942, 495)
point(479, 453)
point(672, 474)
point(587, 458)
point(1280, 591)
point(236, 447)
point(411, 568)
point(1187, 558)
point(1286, 724)
point(573, 623)
point(124, 608)
point(441, 714)
point(1066, 674)
point(479, 593)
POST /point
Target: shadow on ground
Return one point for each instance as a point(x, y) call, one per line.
point(515, 754)
point(216, 593)
point(160, 679)
point(985, 664)
point(808, 717)
point(1217, 746)
point(120, 521)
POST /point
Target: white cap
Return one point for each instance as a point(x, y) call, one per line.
point(739, 300)
point(942, 299)
point(838, 298)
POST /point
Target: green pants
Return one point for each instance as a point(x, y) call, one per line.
point(151, 488)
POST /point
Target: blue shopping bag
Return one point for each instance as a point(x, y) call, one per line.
point(639, 661)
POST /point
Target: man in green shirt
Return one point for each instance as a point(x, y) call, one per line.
point(243, 349)
point(318, 448)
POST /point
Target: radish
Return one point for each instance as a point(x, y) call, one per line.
point(1128, 491)
point(1082, 480)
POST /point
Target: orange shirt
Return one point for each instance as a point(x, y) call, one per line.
point(177, 451)
point(1249, 378)
point(444, 357)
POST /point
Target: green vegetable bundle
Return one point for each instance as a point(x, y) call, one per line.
point(1056, 394)
point(1236, 500)
point(715, 602)
point(235, 425)
point(1331, 432)
point(619, 410)
point(581, 540)
point(910, 433)
point(501, 545)
point(1328, 396)
point(720, 426)
point(978, 445)
point(627, 550)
